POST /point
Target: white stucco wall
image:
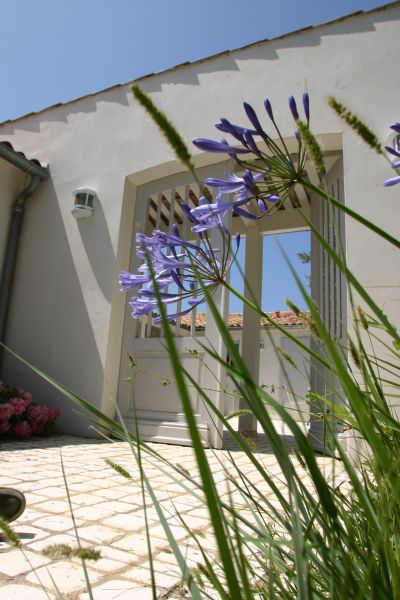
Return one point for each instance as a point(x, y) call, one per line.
point(67, 312)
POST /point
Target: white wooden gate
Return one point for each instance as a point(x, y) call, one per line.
point(152, 388)
point(330, 291)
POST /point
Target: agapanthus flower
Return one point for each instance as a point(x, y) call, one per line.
point(209, 215)
point(172, 261)
point(396, 163)
point(234, 130)
point(392, 180)
point(221, 147)
point(268, 182)
point(246, 185)
point(245, 188)
point(176, 271)
point(293, 108)
point(306, 106)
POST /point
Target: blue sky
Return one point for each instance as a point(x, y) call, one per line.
point(277, 281)
point(57, 50)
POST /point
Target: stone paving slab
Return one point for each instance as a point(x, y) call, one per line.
point(109, 516)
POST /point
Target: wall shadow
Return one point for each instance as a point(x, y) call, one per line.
point(48, 324)
point(261, 443)
point(97, 243)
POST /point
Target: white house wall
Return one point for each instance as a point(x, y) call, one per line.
point(67, 276)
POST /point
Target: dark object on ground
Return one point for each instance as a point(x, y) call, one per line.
point(12, 504)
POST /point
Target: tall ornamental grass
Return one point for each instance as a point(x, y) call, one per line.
point(323, 534)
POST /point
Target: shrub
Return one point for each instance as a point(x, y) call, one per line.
point(20, 417)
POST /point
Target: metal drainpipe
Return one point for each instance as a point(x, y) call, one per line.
point(38, 174)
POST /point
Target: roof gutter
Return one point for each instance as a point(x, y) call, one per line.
point(38, 174)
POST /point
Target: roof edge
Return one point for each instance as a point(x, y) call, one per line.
point(205, 59)
point(32, 166)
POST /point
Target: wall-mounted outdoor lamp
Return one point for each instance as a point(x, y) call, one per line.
point(83, 207)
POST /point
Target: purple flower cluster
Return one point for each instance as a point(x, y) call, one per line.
point(169, 260)
point(266, 175)
point(268, 183)
point(20, 417)
point(396, 163)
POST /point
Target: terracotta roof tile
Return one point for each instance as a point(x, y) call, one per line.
point(235, 320)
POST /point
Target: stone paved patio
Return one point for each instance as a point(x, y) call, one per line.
point(109, 515)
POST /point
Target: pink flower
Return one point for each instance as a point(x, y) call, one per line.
point(38, 413)
point(4, 426)
point(53, 413)
point(27, 396)
point(22, 429)
point(6, 411)
point(19, 405)
point(37, 428)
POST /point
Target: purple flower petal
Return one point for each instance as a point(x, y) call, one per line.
point(395, 127)
point(180, 313)
point(186, 209)
point(244, 213)
point(251, 113)
point(293, 108)
point(231, 184)
point(234, 130)
point(392, 151)
point(268, 108)
point(150, 294)
point(306, 105)
point(212, 146)
point(177, 279)
point(392, 181)
point(262, 206)
point(141, 307)
point(128, 281)
point(250, 142)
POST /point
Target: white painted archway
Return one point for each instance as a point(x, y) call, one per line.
point(152, 388)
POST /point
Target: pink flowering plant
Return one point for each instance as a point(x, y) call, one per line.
point(20, 417)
